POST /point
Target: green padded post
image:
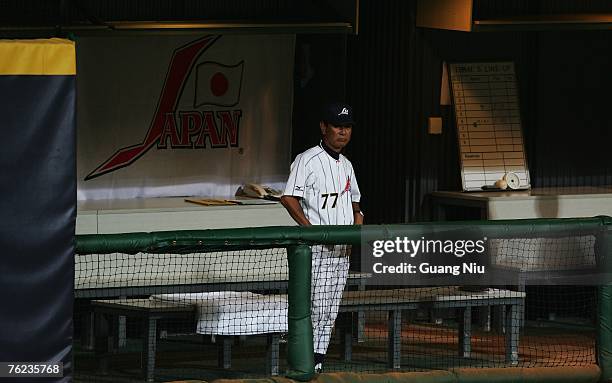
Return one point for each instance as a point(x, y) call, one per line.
point(300, 353)
point(604, 341)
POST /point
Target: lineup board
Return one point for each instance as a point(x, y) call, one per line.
point(488, 123)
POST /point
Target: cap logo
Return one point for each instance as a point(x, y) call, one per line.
point(344, 111)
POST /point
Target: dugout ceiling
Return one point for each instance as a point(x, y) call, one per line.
point(80, 16)
point(305, 15)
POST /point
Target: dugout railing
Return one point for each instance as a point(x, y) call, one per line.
point(90, 284)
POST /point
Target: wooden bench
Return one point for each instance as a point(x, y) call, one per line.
point(128, 284)
point(394, 301)
point(107, 331)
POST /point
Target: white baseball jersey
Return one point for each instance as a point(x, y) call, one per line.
point(327, 187)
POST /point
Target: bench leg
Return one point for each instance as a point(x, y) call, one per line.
point(150, 345)
point(346, 336)
point(521, 288)
point(122, 329)
point(121, 332)
point(224, 359)
point(273, 354)
point(485, 318)
point(103, 341)
point(394, 355)
point(465, 332)
point(513, 320)
point(88, 338)
point(361, 319)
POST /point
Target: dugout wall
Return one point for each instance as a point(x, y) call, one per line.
point(38, 200)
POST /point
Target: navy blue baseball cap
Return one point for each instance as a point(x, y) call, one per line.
point(338, 114)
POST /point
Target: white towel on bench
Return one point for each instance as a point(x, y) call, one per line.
point(234, 312)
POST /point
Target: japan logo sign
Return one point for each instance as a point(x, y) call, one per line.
point(217, 84)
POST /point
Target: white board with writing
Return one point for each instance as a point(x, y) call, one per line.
point(489, 128)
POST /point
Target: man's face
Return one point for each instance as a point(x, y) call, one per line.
point(336, 137)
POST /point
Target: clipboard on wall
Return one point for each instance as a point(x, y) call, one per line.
point(489, 129)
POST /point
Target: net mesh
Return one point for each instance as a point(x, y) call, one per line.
point(219, 314)
point(191, 314)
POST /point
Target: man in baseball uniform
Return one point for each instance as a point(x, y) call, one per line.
point(322, 190)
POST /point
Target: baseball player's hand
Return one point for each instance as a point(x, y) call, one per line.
point(358, 217)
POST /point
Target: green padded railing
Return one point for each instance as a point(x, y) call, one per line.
point(297, 239)
point(283, 236)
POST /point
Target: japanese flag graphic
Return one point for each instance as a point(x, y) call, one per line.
point(218, 84)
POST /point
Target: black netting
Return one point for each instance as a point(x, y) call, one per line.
point(208, 315)
point(197, 316)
